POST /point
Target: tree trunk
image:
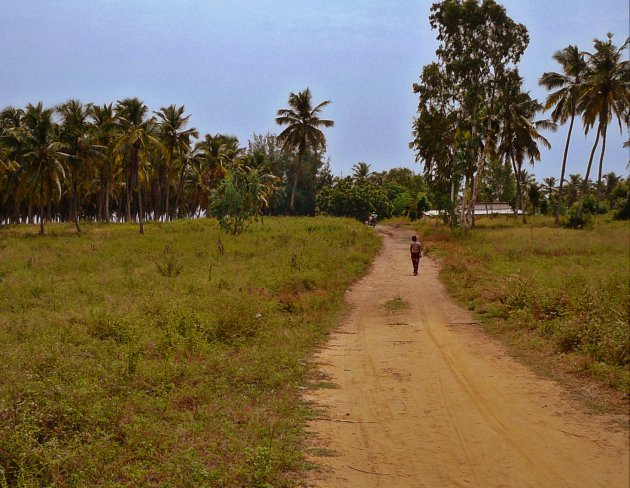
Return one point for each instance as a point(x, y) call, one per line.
point(180, 187)
point(601, 162)
point(167, 210)
point(464, 208)
point(41, 210)
point(140, 211)
point(519, 197)
point(564, 167)
point(452, 218)
point(588, 172)
point(30, 210)
point(298, 169)
point(76, 209)
point(127, 203)
point(106, 209)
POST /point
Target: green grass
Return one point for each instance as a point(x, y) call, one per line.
point(395, 305)
point(169, 359)
point(561, 295)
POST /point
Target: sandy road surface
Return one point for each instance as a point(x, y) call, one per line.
point(425, 399)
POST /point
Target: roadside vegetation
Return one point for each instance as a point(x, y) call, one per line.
point(169, 359)
point(559, 296)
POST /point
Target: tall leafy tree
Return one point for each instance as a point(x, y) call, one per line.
point(175, 137)
point(568, 86)
point(479, 49)
point(573, 188)
point(549, 186)
point(40, 164)
point(606, 95)
point(11, 119)
point(303, 131)
point(441, 136)
point(74, 134)
point(136, 139)
point(104, 131)
point(519, 133)
point(211, 159)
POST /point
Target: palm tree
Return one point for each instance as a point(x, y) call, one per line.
point(39, 136)
point(74, 135)
point(361, 170)
point(550, 185)
point(573, 188)
point(568, 86)
point(302, 132)
point(606, 94)
point(519, 134)
point(104, 126)
point(212, 156)
point(612, 180)
point(135, 141)
point(11, 118)
point(176, 139)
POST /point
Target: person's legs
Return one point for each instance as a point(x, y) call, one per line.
point(415, 260)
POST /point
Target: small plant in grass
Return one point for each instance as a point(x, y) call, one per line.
point(170, 264)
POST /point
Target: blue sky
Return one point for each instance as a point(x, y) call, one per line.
point(233, 63)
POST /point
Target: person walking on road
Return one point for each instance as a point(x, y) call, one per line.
point(416, 254)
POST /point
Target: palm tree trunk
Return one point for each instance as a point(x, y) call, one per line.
point(41, 209)
point(519, 196)
point(564, 167)
point(298, 169)
point(167, 210)
point(30, 210)
point(106, 209)
point(168, 186)
point(75, 203)
point(601, 162)
point(588, 172)
point(180, 187)
point(127, 202)
point(140, 211)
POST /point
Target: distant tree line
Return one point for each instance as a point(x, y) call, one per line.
point(476, 126)
point(83, 161)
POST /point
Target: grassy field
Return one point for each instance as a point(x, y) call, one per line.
point(169, 359)
point(560, 297)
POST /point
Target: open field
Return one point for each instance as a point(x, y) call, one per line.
point(560, 297)
point(169, 359)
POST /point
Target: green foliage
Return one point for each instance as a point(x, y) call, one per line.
point(422, 203)
point(242, 195)
point(620, 201)
point(113, 375)
point(622, 209)
point(356, 199)
point(583, 220)
point(401, 204)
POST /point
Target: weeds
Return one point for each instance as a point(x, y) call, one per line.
point(112, 375)
point(170, 265)
point(395, 305)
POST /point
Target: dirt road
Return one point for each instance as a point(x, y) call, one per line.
point(424, 398)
